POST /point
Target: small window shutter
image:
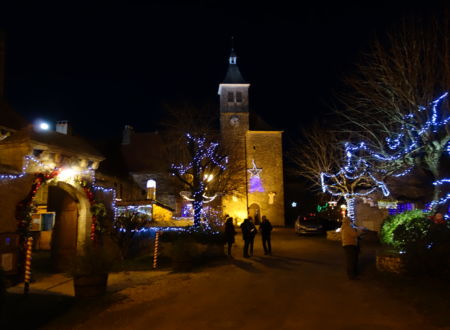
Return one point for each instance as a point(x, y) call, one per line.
point(239, 97)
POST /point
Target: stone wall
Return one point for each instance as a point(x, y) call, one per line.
point(388, 261)
point(265, 148)
point(11, 193)
point(161, 213)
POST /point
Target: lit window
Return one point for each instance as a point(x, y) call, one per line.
point(230, 97)
point(239, 97)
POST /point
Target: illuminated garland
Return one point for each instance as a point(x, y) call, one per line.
point(205, 160)
point(406, 142)
point(25, 207)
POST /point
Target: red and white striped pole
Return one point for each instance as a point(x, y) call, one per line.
point(28, 265)
point(155, 251)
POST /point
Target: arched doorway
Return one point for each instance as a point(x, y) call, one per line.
point(254, 212)
point(65, 236)
point(65, 229)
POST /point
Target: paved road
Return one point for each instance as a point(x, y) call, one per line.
point(301, 286)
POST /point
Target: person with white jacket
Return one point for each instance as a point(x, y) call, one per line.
point(350, 236)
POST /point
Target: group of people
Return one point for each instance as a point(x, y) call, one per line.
point(249, 232)
point(349, 233)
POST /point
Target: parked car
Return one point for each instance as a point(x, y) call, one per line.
point(313, 225)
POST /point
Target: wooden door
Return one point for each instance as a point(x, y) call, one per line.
point(64, 237)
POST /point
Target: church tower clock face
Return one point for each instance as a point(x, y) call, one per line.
point(234, 121)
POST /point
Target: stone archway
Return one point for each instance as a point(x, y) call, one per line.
point(72, 222)
point(254, 211)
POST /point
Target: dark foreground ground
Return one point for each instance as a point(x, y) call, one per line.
point(301, 286)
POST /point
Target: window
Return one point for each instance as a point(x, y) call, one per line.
point(230, 97)
point(239, 97)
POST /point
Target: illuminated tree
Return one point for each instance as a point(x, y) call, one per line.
point(354, 179)
point(337, 169)
point(390, 101)
point(199, 121)
point(205, 162)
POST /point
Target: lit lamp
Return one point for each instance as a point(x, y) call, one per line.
point(151, 189)
point(67, 174)
point(343, 210)
point(41, 125)
point(208, 177)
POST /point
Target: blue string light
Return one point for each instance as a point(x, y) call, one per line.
point(205, 160)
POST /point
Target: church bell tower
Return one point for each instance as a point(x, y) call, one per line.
point(234, 125)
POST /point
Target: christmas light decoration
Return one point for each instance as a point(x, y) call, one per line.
point(255, 180)
point(205, 161)
point(412, 137)
point(387, 204)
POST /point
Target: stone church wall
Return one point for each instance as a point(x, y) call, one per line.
point(265, 148)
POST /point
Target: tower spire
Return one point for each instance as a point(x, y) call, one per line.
point(233, 75)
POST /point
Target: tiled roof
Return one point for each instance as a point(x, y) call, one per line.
point(68, 143)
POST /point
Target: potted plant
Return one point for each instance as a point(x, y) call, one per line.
point(90, 271)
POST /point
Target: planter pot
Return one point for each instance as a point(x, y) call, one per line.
point(87, 286)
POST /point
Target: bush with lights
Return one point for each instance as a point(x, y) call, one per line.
point(391, 223)
point(423, 242)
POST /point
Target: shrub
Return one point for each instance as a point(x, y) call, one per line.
point(427, 247)
point(425, 244)
point(391, 223)
point(199, 236)
point(95, 260)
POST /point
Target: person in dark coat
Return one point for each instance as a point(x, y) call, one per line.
point(246, 236)
point(265, 228)
point(229, 233)
point(253, 232)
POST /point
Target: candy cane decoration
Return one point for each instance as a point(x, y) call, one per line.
point(28, 265)
point(155, 251)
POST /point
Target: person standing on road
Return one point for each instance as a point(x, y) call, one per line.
point(253, 232)
point(229, 233)
point(350, 236)
point(246, 236)
point(265, 228)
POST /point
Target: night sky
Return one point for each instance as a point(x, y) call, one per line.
point(104, 65)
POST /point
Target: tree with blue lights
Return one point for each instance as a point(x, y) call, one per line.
point(396, 101)
point(338, 169)
point(205, 162)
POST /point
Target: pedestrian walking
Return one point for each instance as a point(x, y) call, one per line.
point(247, 235)
point(350, 242)
point(266, 228)
point(229, 233)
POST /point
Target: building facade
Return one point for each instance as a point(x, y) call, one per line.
point(255, 150)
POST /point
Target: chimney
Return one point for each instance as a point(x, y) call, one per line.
point(2, 64)
point(126, 136)
point(63, 127)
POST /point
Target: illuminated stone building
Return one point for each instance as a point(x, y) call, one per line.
point(255, 148)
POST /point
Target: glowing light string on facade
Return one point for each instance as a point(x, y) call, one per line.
point(255, 180)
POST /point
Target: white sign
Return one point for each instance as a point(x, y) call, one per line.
point(7, 262)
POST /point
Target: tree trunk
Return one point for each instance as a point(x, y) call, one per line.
point(351, 208)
